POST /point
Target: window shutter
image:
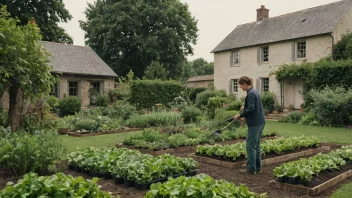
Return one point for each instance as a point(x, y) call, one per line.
point(293, 51)
point(58, 89)
point(101, 87)
point(231, 59)
point(239, 57)
point(258, 84)
point(258, 55)
point(230, 87)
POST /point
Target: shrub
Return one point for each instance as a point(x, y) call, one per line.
point(69, 106)
point(147, 93)
point(203, 97)
point(103, 101)
point(235, 105)
point(25, 153)
point(190, 114)
point(332, 106)
point(151, 135)
point(221, 116)
point(153, 119)
point(53, 103)
point(307, 119)
point(215, 103)
point(268, 101)
point(124, 111)
point(3, 118)
point(86, 124)
point(294, 117)
point(177, 140)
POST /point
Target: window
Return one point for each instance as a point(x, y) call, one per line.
point(264, 84)
point(73, 88)
point(301, 49)
point(54, 90)
point(96, 86)
point(235, 58)
point(234, 85)
point(264, 54)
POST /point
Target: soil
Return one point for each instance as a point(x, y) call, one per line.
point(258, 183)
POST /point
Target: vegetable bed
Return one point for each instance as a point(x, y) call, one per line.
point(130, 166)
point(58, 185)
point(200, 186)
point(237, 152)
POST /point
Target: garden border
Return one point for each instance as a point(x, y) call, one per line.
point(312, 191)
point(183, 149)
point(268, 161)
point(106, 132)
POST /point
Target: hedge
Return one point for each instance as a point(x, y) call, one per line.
point(148, 93)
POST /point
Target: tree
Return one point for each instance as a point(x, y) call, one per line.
point(343, 48)
point(24, 69)
point(47, 15)
point(131, 34)
point(197, 67)
point(155, 71)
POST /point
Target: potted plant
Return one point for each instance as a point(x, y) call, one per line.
point(93, 95)
point(290, 107)
point(62, 127)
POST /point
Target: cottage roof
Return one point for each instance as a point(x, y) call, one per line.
point(201, 78)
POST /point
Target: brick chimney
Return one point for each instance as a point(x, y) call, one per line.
point(262, 13)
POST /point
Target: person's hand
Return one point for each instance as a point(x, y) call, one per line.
point(237, 116)
point(242, 108)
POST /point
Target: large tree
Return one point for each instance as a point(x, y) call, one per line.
point(24, 64)
point(47, 15)
point(131, 34)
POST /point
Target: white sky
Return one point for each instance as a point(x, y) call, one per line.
point(216, 18)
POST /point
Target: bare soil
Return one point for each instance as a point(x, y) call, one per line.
point(258, 183)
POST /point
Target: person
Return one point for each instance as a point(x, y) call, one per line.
point(253, 112)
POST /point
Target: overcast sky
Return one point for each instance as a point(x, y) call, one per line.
point(216, 18)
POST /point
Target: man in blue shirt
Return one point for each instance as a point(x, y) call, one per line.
point(255, 118)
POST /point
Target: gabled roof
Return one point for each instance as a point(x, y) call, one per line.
point(309, 22)
point(71, 59)
point(201, 78)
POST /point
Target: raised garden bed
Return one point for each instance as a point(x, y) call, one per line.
point(316, 174)
point(265, 161)
point(76, 134)
point(182, 149)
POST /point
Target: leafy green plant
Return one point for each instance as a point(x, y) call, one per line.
point(86, 124)
point(294, 117)
point(69, 106)
point(56, 185)
point(203, 97)
point(103, 100)
point(53, 102)
point(234, 106)
point(190, 114)
point(199, 186)
point(124, 111)
point(268, 101)
point(161, 118)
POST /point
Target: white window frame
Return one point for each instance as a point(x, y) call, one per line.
point(262, 54)
point(235, 87)
point(235, 55)
point(264, 82)
point(297, 45)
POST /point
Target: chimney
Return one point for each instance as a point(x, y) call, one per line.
point(262, 13)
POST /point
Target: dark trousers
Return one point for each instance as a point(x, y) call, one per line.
point(254, 158)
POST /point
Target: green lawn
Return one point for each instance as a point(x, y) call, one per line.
point(326, 134)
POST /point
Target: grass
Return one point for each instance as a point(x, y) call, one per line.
point(344, 192)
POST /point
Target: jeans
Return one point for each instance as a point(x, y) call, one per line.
point(254, 158)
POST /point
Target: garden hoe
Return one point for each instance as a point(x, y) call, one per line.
point(219, 131)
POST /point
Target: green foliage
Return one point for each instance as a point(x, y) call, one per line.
point(22, 153)
point(56, 185)
point(86, 124)
point(124, 111)
point(223, 114)
point(140, 32)
point(3, 118)
point(147, 93)
point(197, 67)
point(234, 106)
point(47, 15)
point(177, 140)
point(294, 117)
point(268, 101)
point(203, 97)
point(190, 114)
point(154, 119)
point(214, 103)
point(53, 103)
point(69, 106)
point(343, 48)
point(199, 186)
point(103, 101)
point(155, 71)
point(309, 119)
point(332, 106)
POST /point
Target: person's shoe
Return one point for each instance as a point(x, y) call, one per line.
point(259, 171)
point(245, 171)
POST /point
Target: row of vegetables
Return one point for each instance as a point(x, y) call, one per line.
point(130, 166)
point(277, 146)
point(302, 171)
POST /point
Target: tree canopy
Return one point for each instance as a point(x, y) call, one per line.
point(24, 64)
point(343, 48)
point(197, 67)
point(131, 34)
point(47, 15)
